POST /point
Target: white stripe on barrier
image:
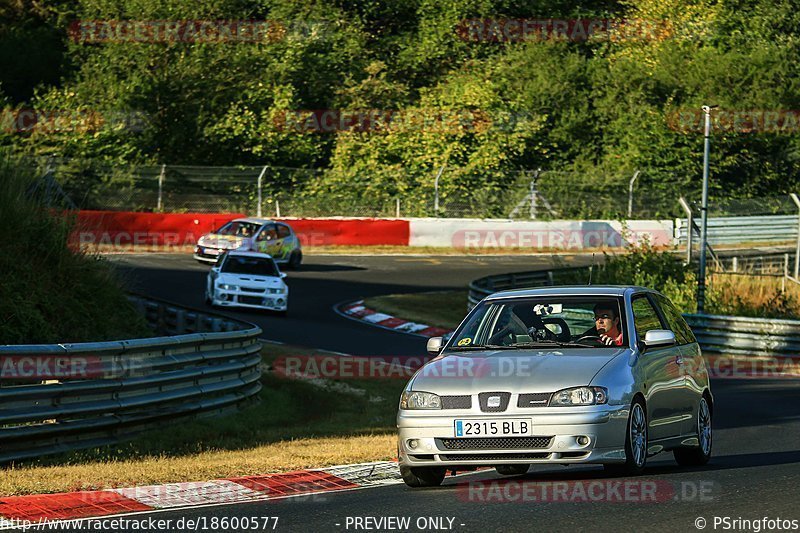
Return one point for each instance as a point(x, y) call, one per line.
point(193, 493)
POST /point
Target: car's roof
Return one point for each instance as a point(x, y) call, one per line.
point(254, 220)
point(570, 290)
point(247, 253)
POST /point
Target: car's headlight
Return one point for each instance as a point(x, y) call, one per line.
point(278, 291)
point(579, 396)
point(420, 400)
point(226, 287)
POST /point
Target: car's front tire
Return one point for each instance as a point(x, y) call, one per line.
point(700, 455)
point(423, 476)
point(295, 260)
point(512, 470)
point(635, 443)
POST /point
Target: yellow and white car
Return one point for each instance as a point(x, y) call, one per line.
point(254, 234)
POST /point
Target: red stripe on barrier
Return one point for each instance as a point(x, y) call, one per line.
point(392, 322)
point(68, 505)
point(125, 228)
point(358, 232)
point(294, 483)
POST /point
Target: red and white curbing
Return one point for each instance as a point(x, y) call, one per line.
point(89, 504)
point(358, 311)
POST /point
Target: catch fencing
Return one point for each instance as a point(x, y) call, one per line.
point(62, 397)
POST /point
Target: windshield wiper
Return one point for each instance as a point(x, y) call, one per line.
point(482, 347)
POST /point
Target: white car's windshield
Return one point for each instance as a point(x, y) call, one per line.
point(238, 229)
point(579, 321)
point(256, 266)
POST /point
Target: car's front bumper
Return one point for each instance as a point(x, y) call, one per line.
point(604, 425)
point(237, 298)
point(207, 254)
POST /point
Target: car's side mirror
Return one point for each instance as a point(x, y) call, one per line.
point(434, 345)
point(282, 275)
point(656, 338)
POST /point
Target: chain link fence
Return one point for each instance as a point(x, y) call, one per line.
point(287, 192)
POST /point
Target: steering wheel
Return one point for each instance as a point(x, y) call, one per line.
point(565, 335)
point(591, 338)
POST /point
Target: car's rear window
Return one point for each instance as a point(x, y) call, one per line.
point(256, 266)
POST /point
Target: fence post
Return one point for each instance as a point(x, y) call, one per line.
point(260, 178)
point(277, 209)
point(397, 208)
point(688, 211)
point(534, 193)
point(630, 193)
point(785, 272)
point(797, 248)
point(161, 186)
point(735, 263)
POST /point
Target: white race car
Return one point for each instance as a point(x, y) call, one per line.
point(247, 279)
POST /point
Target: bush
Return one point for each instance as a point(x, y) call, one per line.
point(51, 293)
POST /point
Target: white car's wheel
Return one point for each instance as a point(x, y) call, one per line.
point(423, 476)
point(701, 454)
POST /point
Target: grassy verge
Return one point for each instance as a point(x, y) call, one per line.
point(444, 309)
point(297, 424)
point(49, 292)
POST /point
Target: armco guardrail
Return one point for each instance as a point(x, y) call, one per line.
point(55, 398)
point(733, 230)
point(716, 334)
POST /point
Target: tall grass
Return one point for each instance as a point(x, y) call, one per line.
point(49, 292)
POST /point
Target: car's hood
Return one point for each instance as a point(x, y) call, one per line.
point(250, 280)
point(225, 242)
point(512, 371)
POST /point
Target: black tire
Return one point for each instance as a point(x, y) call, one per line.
point(512, 470)
point(295, 260)
point(423, 476)
point(636, 443)
point(699, 455)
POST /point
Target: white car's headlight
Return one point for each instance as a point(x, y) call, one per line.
point(278, 291)
point(226, 287)
point(579, 396)
point(420, 400)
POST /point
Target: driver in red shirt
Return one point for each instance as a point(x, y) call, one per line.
point(606, 322)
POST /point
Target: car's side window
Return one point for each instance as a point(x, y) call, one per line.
point(683, 333)
point(268, 234)
point(645, 316)
point(283, 231)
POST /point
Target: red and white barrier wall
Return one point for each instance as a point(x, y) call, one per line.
point(176, 229)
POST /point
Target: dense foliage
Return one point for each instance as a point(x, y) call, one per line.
point(600, 108)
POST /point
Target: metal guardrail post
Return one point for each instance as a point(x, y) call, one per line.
point(796, 201)
point(161, 186)
point(259, 185)
point(630, 193)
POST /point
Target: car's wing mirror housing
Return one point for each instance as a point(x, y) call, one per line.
point(656, 338)
point(282, 275)
point(435, 345)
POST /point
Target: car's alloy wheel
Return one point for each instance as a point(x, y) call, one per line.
point(423, 476)
point(700, 454)
point(512, 470)
point(636, 443)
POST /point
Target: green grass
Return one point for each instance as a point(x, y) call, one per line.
point(49, 292)
point(444, 309)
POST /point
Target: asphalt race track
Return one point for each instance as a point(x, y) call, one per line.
point(754, 474)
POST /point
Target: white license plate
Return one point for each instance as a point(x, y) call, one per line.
point(503, 427)
point(212, 251)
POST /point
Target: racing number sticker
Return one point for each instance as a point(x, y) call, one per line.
point(466, 341)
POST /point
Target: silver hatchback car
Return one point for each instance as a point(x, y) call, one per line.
point(252, 234)
point(590, 374)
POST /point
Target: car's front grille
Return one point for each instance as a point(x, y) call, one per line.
point(493, 456)
point(501, 399)
point(537, 399)
point(251, 300)
point(457, 402)
point(252, 289)
point(495, 443)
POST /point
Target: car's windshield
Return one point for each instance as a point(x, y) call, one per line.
point(574, 321)
point(238, 229)
point(256, 266)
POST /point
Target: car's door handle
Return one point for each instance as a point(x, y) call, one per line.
point(679, 360)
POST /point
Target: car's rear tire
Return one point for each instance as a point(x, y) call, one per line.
point(512, 470)
point(423, 476)
point(700, 455)
point(635, 443)
point(295, 260)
